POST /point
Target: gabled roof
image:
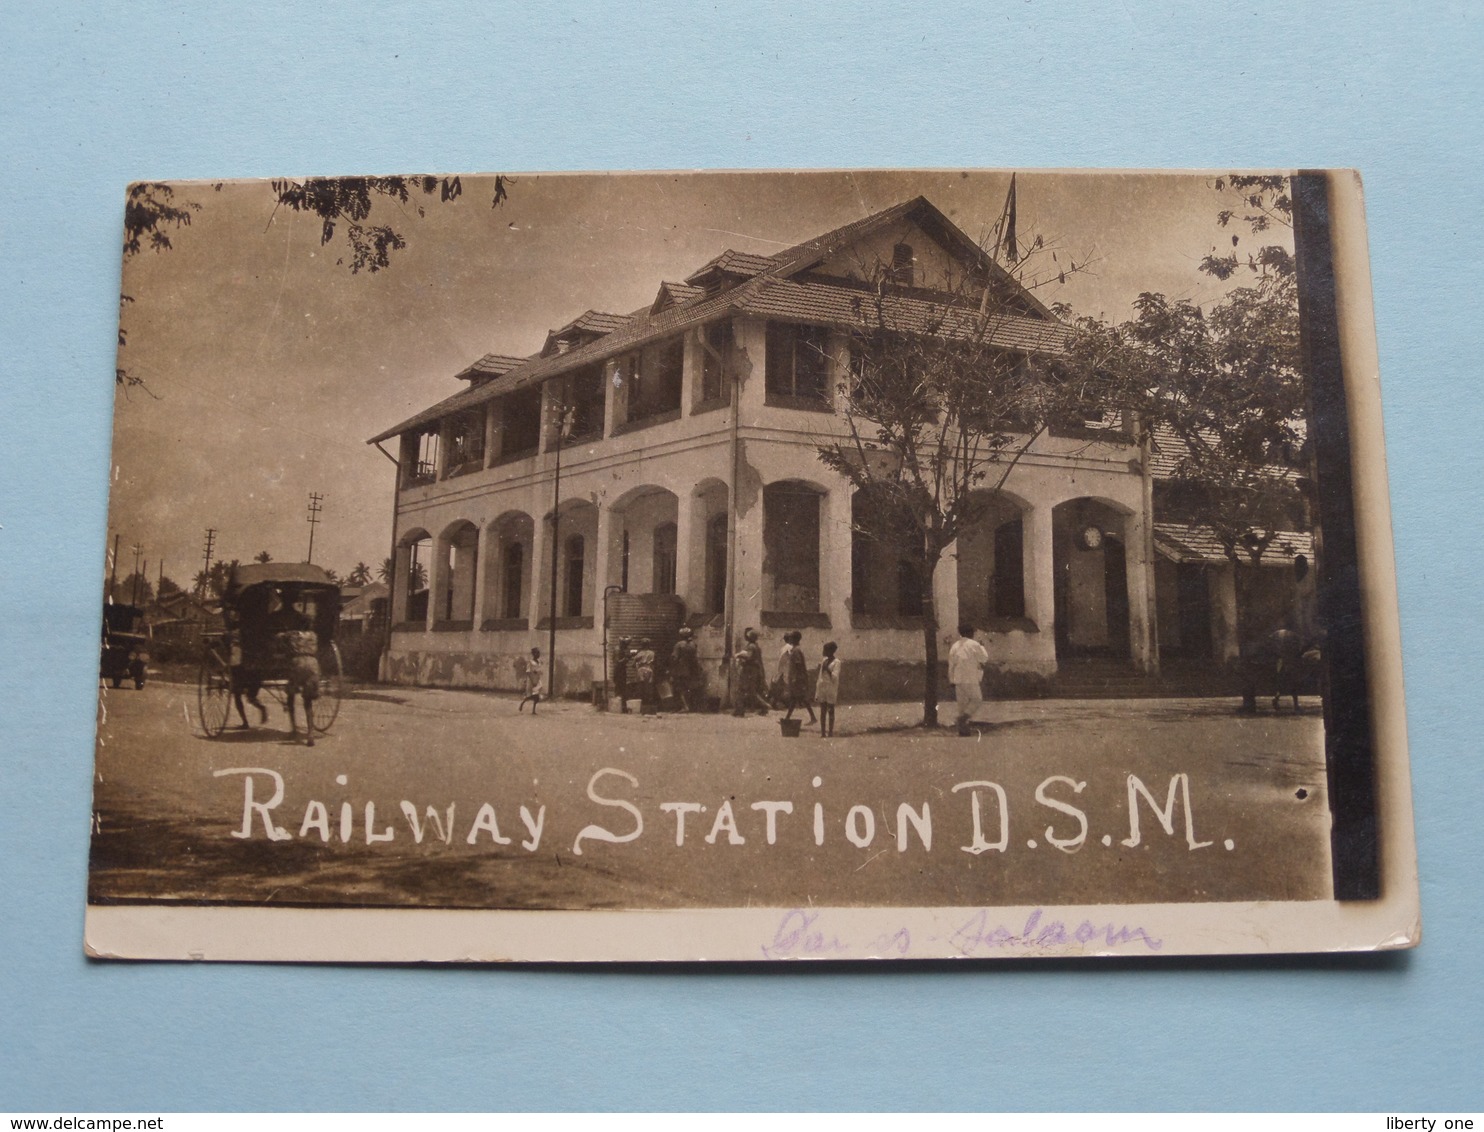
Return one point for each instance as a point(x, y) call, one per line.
point(491, 365)
point(766, 291)
point(811, 251)
point(584, 328)
point(674, 294)
point(920, 211)
point(732, 263)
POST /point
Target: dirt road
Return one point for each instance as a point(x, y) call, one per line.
point(422, 797)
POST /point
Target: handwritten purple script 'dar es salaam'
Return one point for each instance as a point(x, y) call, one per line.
point(801, 934)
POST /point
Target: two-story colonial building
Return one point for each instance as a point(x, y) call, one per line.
point(687, 435)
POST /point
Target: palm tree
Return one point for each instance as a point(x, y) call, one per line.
point(359, 576)
point(262, 556)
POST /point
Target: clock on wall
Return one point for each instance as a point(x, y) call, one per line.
point(1090, 537)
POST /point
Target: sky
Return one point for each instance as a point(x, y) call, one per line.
point(268, 363)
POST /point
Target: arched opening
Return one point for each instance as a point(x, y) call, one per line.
point(791, 557)
point(414, 554)
point(1091, 579)
point(704, 579)
point(643, 553)
point(508, 584)
point(575, 537)
point(455, 570)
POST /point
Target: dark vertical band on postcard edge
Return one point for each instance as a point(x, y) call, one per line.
point(1349, 747)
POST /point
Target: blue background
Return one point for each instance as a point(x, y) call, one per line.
point(91, 98)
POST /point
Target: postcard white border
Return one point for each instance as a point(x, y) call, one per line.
point(416, 935)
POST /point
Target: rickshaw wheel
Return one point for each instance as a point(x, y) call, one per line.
point(326, 705)
point(214, 694)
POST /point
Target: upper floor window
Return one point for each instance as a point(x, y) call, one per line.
point(466, 439)
point(717, 345)
point(582, 395)
point(520, 432)
point(798, 365)
point(420, 456)
point(654, 379)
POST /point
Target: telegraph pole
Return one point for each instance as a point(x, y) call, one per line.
point(134, 591)
point(206, 568)
point(315, 499)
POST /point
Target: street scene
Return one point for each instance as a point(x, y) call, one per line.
point(170, 810)
point(730, 541)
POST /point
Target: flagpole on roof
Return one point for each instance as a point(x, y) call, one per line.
point(1004, 240)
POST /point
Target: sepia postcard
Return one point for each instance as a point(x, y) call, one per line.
point(749, 566)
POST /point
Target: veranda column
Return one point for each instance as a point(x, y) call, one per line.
point(537, 600)
point(685, 527)
point(747, 586)
point(401, 568)
point(437, 580)
point(485, 549)
point(1040, 581)
point(602, 555)
point(834, 556)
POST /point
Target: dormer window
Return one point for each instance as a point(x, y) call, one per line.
point(902, 260)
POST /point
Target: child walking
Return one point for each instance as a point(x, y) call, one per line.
point(827, 690)
point(535, 681)
point(793, 675)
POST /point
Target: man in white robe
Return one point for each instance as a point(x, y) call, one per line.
point(966, 661)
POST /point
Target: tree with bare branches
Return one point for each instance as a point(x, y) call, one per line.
point(946, 392)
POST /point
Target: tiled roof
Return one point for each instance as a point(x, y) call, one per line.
point(851, 306)
point(636, 331)
point(677, 293)
point(597, 322)
point(734, 263)
point(491, 365)
point(1168, 450)
point(1194, 542)
point(766, 295)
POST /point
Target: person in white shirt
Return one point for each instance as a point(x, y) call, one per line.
point(966, 661)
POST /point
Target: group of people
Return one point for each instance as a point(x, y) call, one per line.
point(636, 669)
point(790, 689)
point(639, 674)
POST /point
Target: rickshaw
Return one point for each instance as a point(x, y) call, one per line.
point(261, 601)
point(125, 644)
